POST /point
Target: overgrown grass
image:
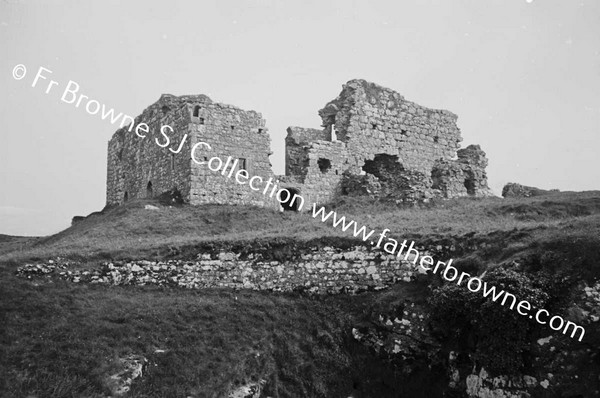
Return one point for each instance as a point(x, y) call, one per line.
point(58, 339)
point(131, 231)
point(61, 340)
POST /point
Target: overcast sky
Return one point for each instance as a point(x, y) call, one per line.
point(522, 75)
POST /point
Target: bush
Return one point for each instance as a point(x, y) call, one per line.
point(499, 336)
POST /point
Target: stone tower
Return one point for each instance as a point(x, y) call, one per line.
point(142, 165)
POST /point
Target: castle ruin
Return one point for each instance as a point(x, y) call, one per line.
point(141, 167)
point(372, 142)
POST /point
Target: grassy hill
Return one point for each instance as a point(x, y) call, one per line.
point(131, 231)
point(60, 339)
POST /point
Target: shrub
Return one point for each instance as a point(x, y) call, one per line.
point(501, 336)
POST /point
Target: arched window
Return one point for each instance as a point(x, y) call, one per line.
point(149, 193)
point(197, 110)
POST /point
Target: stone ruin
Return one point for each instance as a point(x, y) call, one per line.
point(141, 168)
point(375, 142)
point(372, 142)
point(514, 190)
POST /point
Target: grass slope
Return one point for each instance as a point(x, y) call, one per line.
point(59, 339)
point(131, 231)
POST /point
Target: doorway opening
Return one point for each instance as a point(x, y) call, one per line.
point(149, 192)
point(294, 200)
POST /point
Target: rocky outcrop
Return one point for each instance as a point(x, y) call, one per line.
point(250, 390)
point(514, 190)
point(401, 334)
point(127, 370)
point(482, 385)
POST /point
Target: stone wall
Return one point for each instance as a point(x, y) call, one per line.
point(314, 164)
point(372, 125)
point(361, 185)
point(448, 177)
point(231, 132)
point(464, 177)
point(139, 167)
point(514, 190)
point(296, 155)
point(409, 149)
point(325, 271)
point(375, 120)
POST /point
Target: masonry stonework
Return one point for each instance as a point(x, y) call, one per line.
point(327, 270)
point(411, 151)
point(370, 135)
point(140, 167)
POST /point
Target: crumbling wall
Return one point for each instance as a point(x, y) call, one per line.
point(296, 149)
point(514, 190)
point(465, 176)
point(314, 164)
point(231, 132)
point(409, 149)
point(327, 161)
point(372, 120)
point(324, 271)
point(396, 181)
point(448, 178)
point(319, 166)
point(360, 185)
point(473, 162)
point(137, 167)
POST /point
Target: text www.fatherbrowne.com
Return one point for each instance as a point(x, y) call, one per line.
point(448, 272)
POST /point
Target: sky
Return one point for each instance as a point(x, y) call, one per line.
point(523, 76)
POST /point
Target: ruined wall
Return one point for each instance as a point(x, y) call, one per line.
point(138, 167)
point(326, 271)
point(514, 190)
point(296, 151)
point(396, 181)
point(463, 177)
point(360, 185)
point(315, 167)
point(373, 120)
point(473, 162)
point(410, 149)
point(363, 128)
point(448, 177)
point(231, 132)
